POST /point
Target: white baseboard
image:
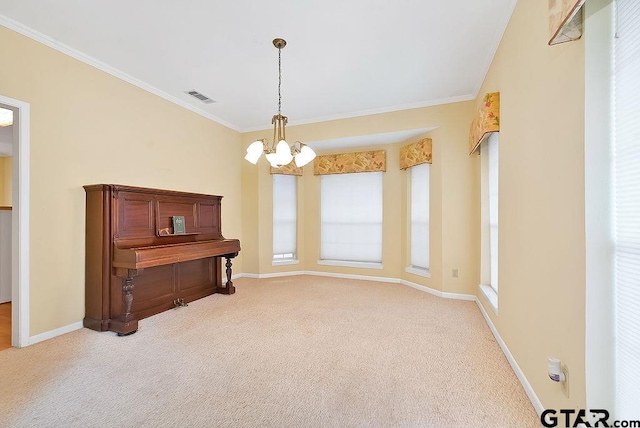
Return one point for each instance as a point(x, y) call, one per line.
point(528, 389)
point(444, 295)
point(350, 276)
point(53, 333)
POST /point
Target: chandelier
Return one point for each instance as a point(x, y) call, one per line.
point(278, 152)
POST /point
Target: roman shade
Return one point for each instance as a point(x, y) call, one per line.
point(345, 163)
point(486, 122)
point(415, 153)
point(290, 169)
point(565, 20)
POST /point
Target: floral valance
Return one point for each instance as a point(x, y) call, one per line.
point(487, 120)
point(351, 162)
point(565, 20)
point(290, 169)
point(415, 154)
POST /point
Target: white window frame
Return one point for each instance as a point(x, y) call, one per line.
point(281, 183)
point(489, 152)
point(414, 173)
point(330, 217)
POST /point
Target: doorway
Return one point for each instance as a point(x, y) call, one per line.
point(19, 307)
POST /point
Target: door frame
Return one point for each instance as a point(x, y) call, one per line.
point(20, 332)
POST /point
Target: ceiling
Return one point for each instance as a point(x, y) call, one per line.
point(343, 58)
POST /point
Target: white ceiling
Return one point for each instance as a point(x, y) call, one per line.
point(343, 58)
point(366, 140)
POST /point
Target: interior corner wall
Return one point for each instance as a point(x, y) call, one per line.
point(454, 205)
point(89, 127)
point(2, 184)
point(7, 181)
point(541, 257)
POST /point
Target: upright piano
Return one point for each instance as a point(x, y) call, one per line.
point(137, 266)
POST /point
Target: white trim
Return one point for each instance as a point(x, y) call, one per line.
point(350, 276)
point(249, 275)
point(56, 332)
point(344, 263)
point(418, 271)
point(528, 389)
point(349, 115)
point(284, 262)
point(272, 275)
point(68, 50)
point(438, 293)
point(491, 296)
point(20, 223)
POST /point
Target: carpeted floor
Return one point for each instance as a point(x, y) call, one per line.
point(298, 351)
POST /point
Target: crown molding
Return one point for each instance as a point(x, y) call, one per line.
point(349, 115)
point(68, 50)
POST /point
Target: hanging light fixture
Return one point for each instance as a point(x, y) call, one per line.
point(278, 152)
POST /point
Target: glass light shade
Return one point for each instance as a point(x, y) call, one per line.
point(254, 151)
point(272, 158)
point(283, 153)
point(305, 156)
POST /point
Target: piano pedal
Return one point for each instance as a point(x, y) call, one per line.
point(179, 303)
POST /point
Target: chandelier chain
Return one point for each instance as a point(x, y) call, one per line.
point(279, 81)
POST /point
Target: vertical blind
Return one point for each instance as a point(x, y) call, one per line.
point(284, 216)
point(351, 217)
point(626, 186)
point(492, 151)
point(420, 216)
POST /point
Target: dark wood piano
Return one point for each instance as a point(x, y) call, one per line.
point(136, 266)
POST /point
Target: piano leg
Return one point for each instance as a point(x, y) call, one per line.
point(125, 324)
point(228, 288)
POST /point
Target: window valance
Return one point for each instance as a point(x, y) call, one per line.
point(486, 122)
point(416, 153)
point(565, 20)
point(290, 169)
point(345, 163)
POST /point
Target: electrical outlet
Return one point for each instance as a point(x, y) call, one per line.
point(454, 272)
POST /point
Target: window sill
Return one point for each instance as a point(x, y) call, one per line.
point(285, 262)
point(418, 271)
point(491, 296)
point(365, 265)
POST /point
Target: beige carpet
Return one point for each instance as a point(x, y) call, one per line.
point(285, 352)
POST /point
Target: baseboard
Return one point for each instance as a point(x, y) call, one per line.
point(53, 333)
point(438, 293)
point(444, 295)
point(528, 389)
point(350, 276)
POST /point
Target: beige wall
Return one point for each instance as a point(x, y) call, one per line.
point(2, 181)
point(6, 180)
point(90, 127)
point(453, 203)
point(541, 198)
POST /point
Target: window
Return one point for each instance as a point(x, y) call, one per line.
point(489, 235)
point(419, 206)
point(351, 218)
point(284, 217)
point(626, 209)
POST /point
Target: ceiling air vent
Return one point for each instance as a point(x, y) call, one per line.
point(205, 99)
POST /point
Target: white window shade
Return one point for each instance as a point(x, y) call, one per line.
point(351, 217)
point(420, 216)
point(492, 150)
point(627, 210)
point(284, 216)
